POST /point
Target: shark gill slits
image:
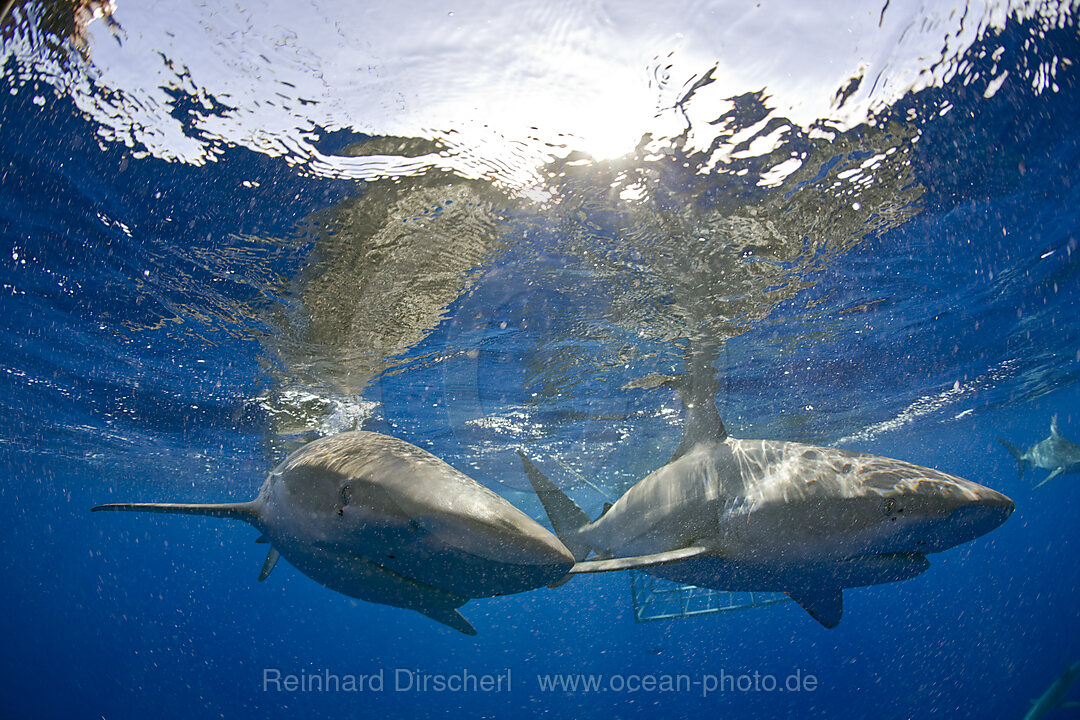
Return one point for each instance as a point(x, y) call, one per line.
point(346, 498)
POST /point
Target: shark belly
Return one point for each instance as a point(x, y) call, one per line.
point(351, 573)
point(405, 565)
point(461, 572)
point(718, 573)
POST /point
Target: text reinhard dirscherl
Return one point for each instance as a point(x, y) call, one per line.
point(397, 680)
point(467, 681)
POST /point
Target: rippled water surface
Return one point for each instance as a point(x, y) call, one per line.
point(482, 228)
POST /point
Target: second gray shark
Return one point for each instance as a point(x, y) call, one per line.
point(1054, 697)
point(762, 515)
point(1055, 454)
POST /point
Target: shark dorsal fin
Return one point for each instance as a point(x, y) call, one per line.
point(1054, 432)
point(702, 424)
point(697, 389)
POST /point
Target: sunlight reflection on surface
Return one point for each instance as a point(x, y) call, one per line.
point(507, 87)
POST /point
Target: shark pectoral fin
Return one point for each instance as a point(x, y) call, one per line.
point(246, 511)
point(826, 605)
point(638, 562)
point(449, 617)
point(1048, 478)
point(271, 561)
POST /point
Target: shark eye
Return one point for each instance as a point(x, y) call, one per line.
point(346, 498)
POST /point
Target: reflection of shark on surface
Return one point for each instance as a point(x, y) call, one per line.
point(379, 519)
point(1055, 454)
point(1054, 697)
point(761, 515)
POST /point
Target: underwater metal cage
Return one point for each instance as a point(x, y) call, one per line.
point(658, 599)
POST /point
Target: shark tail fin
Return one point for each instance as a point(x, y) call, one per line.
point(1016, 453)
point(566, 517)
point(245, 511)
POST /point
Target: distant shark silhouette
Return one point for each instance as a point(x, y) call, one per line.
point(1055, 454)
point(379, 519)
point(761, 515)
point(1054, 697)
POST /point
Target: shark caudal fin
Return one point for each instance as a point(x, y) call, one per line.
point(245, 511)
point(566, 517)
point(1016, 453)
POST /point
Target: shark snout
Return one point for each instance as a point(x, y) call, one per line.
point(935, 511)
point(982, 510)
point(989, 510)
point(992, 500)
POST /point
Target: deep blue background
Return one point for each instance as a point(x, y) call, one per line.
point(112, 388)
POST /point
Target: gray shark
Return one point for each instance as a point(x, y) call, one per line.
point(379, 519)
point(1055, 454)
point(1054, 697)
point(762, 515)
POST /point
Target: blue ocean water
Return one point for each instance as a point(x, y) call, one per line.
point(172, 325)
